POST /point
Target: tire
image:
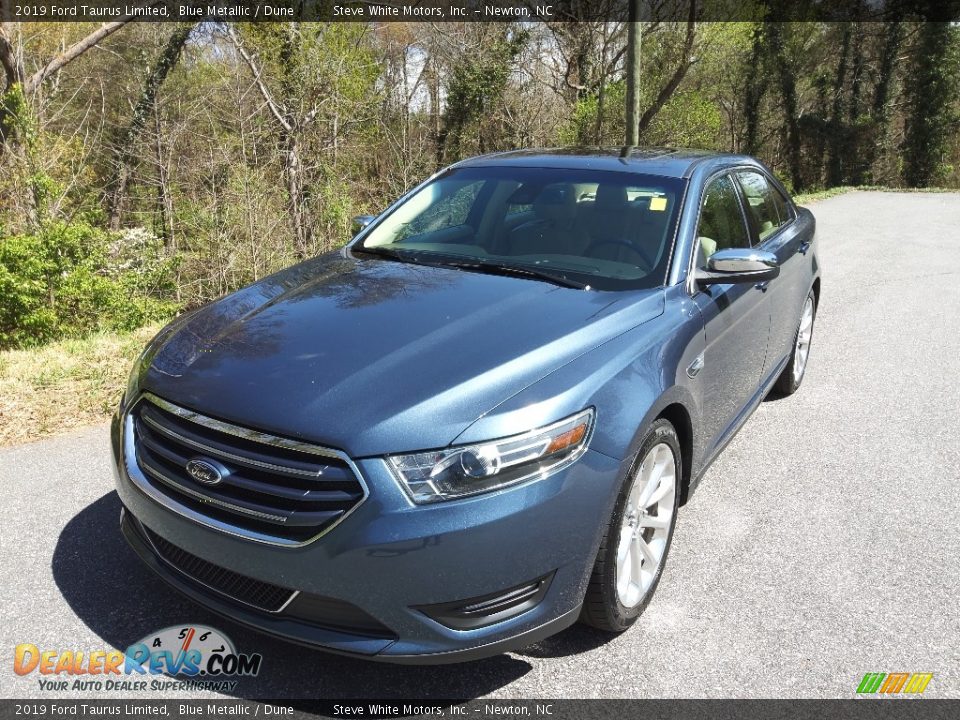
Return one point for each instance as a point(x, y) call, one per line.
point(607, 605)
point(792, 376)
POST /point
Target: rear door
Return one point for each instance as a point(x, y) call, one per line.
point(774, 228)
point(736, 317)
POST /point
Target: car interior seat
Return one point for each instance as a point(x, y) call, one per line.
point(614, 223)
point(555, 229)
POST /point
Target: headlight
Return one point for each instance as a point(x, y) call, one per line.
point(133, 383)
point(471, 469)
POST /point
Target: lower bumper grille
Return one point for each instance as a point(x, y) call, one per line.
point(256, 593)
point(316, 610)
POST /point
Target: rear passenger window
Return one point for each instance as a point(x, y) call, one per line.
point(768, 208)
point(721, 222)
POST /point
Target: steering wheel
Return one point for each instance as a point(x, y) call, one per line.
point(620, 243)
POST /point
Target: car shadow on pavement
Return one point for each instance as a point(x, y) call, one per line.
point(122, 601)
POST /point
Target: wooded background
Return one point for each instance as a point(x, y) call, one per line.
point(146, 168)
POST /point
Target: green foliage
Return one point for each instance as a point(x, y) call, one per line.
point(373, 109)
point(689, 119)
point(476, 85)
point(69, 279)
point(335, 208)
point(582, 127)
point(16, 119)
point(930, 97)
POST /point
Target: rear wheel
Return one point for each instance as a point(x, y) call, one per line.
point(635, 546)
point(789, 381)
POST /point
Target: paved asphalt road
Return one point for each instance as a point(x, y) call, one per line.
point(825, 542)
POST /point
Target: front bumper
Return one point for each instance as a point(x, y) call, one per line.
point(390, 558)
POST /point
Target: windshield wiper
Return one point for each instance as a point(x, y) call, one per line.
point(490, 268)
point(518, 271)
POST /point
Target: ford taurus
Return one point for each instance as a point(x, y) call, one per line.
point(475, 424)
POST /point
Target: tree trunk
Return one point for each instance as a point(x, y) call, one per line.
point(835, 162)
point(145, 105)
point(12, 68)
point(888, 59)
point(788, 91)
point(299, 220)
point(433, 86)
point(634, 38)
point(598, 128)
point(14, 75)
point(755, 88)
point(856, 74)
point(855, 154)
point(667, 91)
point(928, 100)
point(164, 198)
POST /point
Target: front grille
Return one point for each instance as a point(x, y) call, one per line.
point(261, 595)
point(268, 488)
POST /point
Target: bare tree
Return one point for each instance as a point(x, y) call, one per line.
point(687, 59)
point(16, 74)
point(292, 126)
point(144, 108)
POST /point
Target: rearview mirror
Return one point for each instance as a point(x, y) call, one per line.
point(738, 265)
point(360, 222)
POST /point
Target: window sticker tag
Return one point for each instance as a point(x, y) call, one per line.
point(658, 203)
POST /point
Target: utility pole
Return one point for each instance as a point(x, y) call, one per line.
point(634, 34)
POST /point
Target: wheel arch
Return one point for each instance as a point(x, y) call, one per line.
point(677, 415)
point(680, 408)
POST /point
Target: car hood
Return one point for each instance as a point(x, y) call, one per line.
point(374, 356)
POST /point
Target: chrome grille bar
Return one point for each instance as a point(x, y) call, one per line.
point(267, 489)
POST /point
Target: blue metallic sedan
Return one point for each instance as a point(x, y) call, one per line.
point(475, 424)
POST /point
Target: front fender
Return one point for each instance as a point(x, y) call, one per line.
point(629, 380)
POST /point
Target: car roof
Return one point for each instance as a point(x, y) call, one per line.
point(667, 162)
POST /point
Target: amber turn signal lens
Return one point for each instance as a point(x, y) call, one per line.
point(570, 437)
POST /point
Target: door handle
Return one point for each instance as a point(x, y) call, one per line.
point(804, 248)
point(762, 286)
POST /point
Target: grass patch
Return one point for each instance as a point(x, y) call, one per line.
point(816, 195)
point(64, 385)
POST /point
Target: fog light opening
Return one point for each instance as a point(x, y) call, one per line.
point(478, 612)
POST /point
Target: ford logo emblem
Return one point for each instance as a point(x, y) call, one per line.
point(205, 471)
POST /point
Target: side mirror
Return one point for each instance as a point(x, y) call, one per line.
point(738, 265)
point(360, 222)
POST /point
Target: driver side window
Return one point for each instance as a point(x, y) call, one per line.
point(721, 221)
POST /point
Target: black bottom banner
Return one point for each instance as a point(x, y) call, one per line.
point(854, 709)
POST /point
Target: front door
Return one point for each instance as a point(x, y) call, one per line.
point(775, 229)
point(736, 318)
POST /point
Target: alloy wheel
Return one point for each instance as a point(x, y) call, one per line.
point(645, 529)
point(804, 334)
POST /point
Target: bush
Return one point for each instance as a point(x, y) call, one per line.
point(69, 279)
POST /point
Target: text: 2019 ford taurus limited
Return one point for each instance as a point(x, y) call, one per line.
point(475, 424)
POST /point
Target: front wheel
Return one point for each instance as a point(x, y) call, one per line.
point(634, 548)
point(789, 381)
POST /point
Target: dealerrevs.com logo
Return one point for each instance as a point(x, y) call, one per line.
point(188, 657)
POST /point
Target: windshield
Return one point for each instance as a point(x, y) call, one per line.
point(606, 230)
